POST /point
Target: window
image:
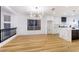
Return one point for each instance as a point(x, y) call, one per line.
point(7, 18)
point(7, 21)
point(7, 25)
point(33, 24)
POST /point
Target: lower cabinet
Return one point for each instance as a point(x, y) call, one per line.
point(78, 34)
point(75, 34)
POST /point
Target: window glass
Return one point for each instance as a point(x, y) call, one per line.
point(7, 25)
point(34, 25)
point(7, 18)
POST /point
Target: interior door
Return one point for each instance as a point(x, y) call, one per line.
point(49, 27)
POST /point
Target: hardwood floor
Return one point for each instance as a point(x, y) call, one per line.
point(40, 43)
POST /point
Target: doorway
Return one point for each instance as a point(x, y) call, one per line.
point(49, 27)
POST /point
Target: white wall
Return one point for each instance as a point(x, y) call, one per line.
point(3, 12)
point(13, 21)
point(70, 21)
point(56, 21)
point(21, 23)
point(50, 18)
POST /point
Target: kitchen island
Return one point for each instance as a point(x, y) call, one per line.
point(75, 34)
point(69, 34)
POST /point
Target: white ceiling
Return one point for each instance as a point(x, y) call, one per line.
point(47, 10)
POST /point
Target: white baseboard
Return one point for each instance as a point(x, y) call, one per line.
point(6, 41)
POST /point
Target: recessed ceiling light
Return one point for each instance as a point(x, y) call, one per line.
point(36, 7)
point(74, 10)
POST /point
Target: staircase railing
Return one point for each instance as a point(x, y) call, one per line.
point(7, 33)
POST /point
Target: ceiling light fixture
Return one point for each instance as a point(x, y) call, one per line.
point(36, 7)
point(53, 9)
point(73, 14)
point(74, 10)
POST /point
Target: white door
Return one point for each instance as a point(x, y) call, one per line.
point(49, 27)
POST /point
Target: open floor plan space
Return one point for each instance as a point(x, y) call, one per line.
point(42, 43)
point(39, 28)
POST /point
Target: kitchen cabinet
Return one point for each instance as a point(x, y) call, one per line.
point(75, 34)
point(78, 34)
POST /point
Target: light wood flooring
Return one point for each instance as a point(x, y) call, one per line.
point(40, 43)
